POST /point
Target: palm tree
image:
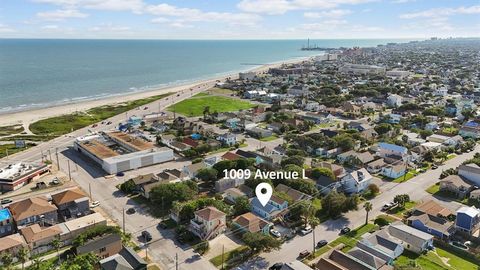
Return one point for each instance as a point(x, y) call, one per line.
point(206, 111)
point(36, 263)
point(56, 245)
point(314, 222)
point(368, 207)
point(23, 256)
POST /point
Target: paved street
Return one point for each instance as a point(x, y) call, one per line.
point(329, 230)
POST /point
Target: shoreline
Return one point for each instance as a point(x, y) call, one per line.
point(28, 116)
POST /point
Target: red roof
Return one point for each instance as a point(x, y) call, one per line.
point(190, 142)
point(230, 156)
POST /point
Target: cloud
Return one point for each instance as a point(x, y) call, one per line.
point(438, 12)
point(402, 1)
point(61, 14)
point(274, 7)
point(160, 20)
point(109, 27)
point(334, 13)
point(50, 27)
point(5, 28)
point(182, 15)
point(113, 5)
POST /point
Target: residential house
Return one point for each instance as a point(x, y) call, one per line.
point(457, 185)
point(259, 132)
point(232, 194)
point(230, 156)
point(6, 223)
point(338, 171)
point(370, 259)
point(355, 157)
point(12, 244)
point(40, 239)
point(394, 171)
point(338, 260)
point(33, 210)
point(356, 181)
point(382, 245)
point(167, 139)
point(192, 169)
point(435, 225)
point(225, 183)
point(294, 194)
point(387, 150)
point(271, 210)
point(295, 265)
point(394, 100)
point(75, 227)
point(351, 109)
point(376, 166)
point(437, 138)
point(412, 239)
point(475, 194)
point(468, 219)
point(208, 223)
point(249, 222)
point(432, 126)
point(394, 118)
point(431, 207)
point(470, 129)
point(71, 203)
point(104, 246)
point(327, 153)
point(228, 139)
point(126, 259)
point(470, 172)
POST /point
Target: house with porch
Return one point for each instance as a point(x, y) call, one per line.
point(208, 223)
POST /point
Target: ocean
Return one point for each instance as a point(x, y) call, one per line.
point(45, 72)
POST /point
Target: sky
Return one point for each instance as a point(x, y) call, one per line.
point(239, 19)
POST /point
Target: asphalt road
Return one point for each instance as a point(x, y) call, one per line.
point(329, 230)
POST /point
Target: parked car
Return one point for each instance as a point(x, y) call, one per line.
point(345, 230)
point(434, 167)
point(131, 211)
point(109, 122)
point(388, 206)
point(306, 230)
point(55, 181)
point(94, 204)
point(275, 233)
point(5, 201)
point(304, 254)
point(276, 266)
point(40, 185)
point(322, 243)
point(146, 236)
point(162, 226)
point(120, 174)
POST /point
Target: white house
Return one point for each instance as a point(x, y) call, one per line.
point(412, 239)
point(228, 138)
point(394, 100)
point(471, 172)
point(208, 223)
point(357, 181)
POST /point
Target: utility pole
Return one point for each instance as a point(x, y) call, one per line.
point(56, 154)
point(123, 215)
point(69, 173)
point(176, 261)
point(41, 152)
point(50, 155)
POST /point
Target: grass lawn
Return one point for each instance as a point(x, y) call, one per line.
point(153, 267)
point(433, 260)
point(269, 138)
point(195, 106)
point(240, 251)
point(450, 156)
point(221, 91)
point(402, 179)
point(11, 149)
point(59, 125)
point(398, 211)
point(433, 189)
point(9, 130)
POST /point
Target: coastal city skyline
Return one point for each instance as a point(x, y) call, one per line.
point(240, 19)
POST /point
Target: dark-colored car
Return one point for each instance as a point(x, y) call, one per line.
point(322, 243)
point(131, 211)
point(276, 266)
point(162, 226)
point(5, 201)
point(434, 167)
point(120, 174)
point(147, 236)
point(304, 254)
point(344, 230)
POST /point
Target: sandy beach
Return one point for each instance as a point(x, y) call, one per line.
point(27, 117)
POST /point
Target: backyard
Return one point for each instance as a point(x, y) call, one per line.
point(439, 259)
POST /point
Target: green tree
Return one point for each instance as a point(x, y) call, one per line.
point(319, 172)
point(56, 245)
point(242, 206)
point(297, 160)
point(368, 207)
point(401, 200)
point(169, 192)
point(260, 242)
point(374, 189)
point(334, 203)
point(23, 256)
point(7, 260)
point(314, 222)
point(207, 174)
point(383, 128)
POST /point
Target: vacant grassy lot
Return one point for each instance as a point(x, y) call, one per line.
point(237, 253)
point(269, 138)
point(402, 179)
point(11, 149)
point(9, 130)
point(434, 188)
point(196, 105)
point(59, 125)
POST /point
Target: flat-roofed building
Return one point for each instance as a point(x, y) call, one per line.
point(15, 176)
point(119, 151)
point(77, 226)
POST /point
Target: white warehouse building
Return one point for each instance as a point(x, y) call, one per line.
point(117, 151)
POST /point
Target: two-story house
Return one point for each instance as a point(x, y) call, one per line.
point(6, 222)
point(228, 139)
point(468, 219)
point(71, 203)
point(32, 211)
point(104, 246)
point(249, 222)
point(356, 181)
point(208, 223)
point(271, 210)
